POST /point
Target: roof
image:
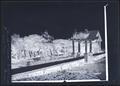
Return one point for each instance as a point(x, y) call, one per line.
point(90, 35)
point(93, 35)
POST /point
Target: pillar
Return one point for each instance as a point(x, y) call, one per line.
point(79, 46)
point(73, 46)
point(90, 46)
point(99, 42)
point(85, 46)
point(86, 55)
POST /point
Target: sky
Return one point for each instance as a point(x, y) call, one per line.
point(60, 19)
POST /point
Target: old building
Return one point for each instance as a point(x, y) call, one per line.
point(88, 42)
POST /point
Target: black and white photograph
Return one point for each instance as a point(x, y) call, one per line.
point(57, 41)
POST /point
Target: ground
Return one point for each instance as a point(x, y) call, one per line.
point(88, 71)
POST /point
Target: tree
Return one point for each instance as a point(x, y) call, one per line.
point(14, 38)
point(47, 36)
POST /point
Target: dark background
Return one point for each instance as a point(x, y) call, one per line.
point(61, 19)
